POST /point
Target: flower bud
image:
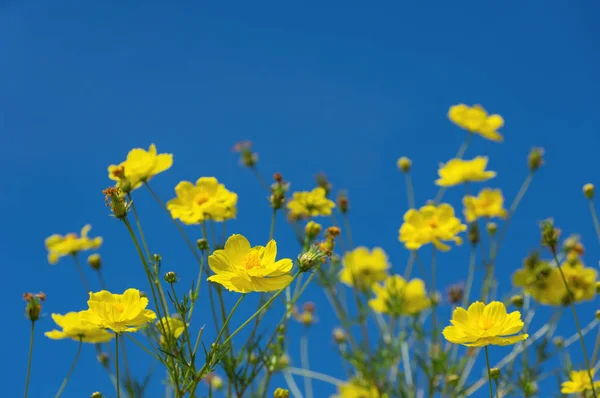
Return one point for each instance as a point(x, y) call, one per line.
point(473, 233)
point(343, 202)
point(435, 298)
point(597, 287)
point(404, 164)
point(216, 382)
point(34, 305)
point(96, 395)
point(558, 341)
point(102, 357)
point(252, 358)
point(95, 261)
point(589, 190)
point(494, 373)
point(455, 293)
point(309, 307)
point(492, 228)
point(323, 182)
point(312, 230)
point(171, 277)
point(248, 158)
point(202, 244)
point(125, 186)
point(309, 259)
point(115, 199)
point(281, 393)
point(339, 336)
point(452, 379)
point(517, 301)
point(550, 234)
point(530, 388)
point(535, 159)
point(597, 314)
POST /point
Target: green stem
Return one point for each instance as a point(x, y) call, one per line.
point(470, 276)
point(433, 292)
point(227, 321)
point(66, 380)
point(185, 327)
point(304, 360)
point(146, 350)
point(487, 359)
point(595, 218)
point(81, 273)
point(348, 231)
point(117, 365)
point(29, 358)
point(101, 279)
point(410, 193)
point(459, 155)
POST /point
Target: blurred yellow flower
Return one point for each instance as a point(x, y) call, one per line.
point(483, 325)
point(75, 326)
point(458, 171)
point(60, 246)
point(310, 204)
point(431, 224)
point(397, 297)
point(172, 327)
point(489, 203)
point(119, 312)
point(363, 268)
point(140, 166)
point(580, 382)
point(356, 388)
point(207, 200)
point(475, 119)
point(241, 268)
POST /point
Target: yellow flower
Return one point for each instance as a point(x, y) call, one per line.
point(172, 326)
point(60, 246)
point(397, 297)
point(363, 268)
point(140, 166)
point(207, 200)
point(75, 326)
point(581, 281)
point(431, 224)
point(458, 171)
point(241, 268)
point(119, 312)
point(310, 204)
point(356, 388)
point(489, 203)
point(483, 325)
point(580, 382)
point(476, 120)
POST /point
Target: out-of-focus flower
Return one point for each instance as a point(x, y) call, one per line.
point(589, 190)
point(404, 164)
point(118, 312)
point(310, 204)
point(242, 268)
point(281, 393)
point(397, 297)
point(139, 167)
point(357, 388)
point(431, 224)
point(488, 203)
point(95, 261)
point(214, 381)
point(60, 246)
point(580, 382)
point(33, 308)
point(457, 171)
point(248, 158)
point(75, 326)
point(475, 119)
point(363, 267)
point(535, 159)
point(483, 325)
point(207, 200)
point(171, 327)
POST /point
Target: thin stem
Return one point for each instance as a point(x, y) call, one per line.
point(470, 276)
point(81, 274)
point(117, 365)
point(410, 193)
point(29, 358)
point(304, 361)
point(152, 354)
point(459, 155)
point(185, 326)
point(487, 360)
point(101, 279)
point(595, 218)
point(348, 230)
point(433, 287)
point(64, 383)
point(227, 321)
point(315, 375)
point(409, 265)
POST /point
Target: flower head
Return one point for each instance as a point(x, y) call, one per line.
point(119, 312)
point(242, 268)
point(75, 326)
point(431, 224)
point(483, 325)
point(310, 204)
point(458, 171)
point(363, 267)
point(357, 388)
point(170, 327)
point(140, 166)
point(397, 297)
point(207, 200)
point(580, 382)
point(60, 246)
point(489, 203)
point(475, 119)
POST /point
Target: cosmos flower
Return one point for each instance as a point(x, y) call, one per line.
point(207, 200)
point(489, 203)
point(431, 224)
point(363, 267)
point(475, 119)
point(119, 312)
point(140, 166)
point(60, 246)
point(397, 297)
point(580, 382)
point(310, 204)
point(458, 171)
point(75, 326)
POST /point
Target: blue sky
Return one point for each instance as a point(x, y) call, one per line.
point(341, 88)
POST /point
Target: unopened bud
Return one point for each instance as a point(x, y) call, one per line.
point(309, 307)
point(435, 298)
point(473, 234)
point(589, 190)
point(343, 202)
point(95, 261)
point(309, 259)
point(597, 287)
point(492, 228)
point(171, 277)
point(535, 159)
point(96, 395)
point(452, 379)
point(278, 177)
point(597, 314)
point(558, 341)
point(530, 388)
point(455, 293)
point(323, 182)
point(550, 234)
point(404, 164)
point(103, 359)
point(339, 336)
point(517, 301)
point(125, 186)
point(494, 373)
point(115, 199)
point(281, 393)
point(333, 231)
point(202, 244)
point(312, 230)
point(216, 382)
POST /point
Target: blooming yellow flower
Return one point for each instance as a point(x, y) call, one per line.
point(483, 325)
point(458, 171)
point(431, 224)
point(75, 326)
point(310, 204)
point(580, 382)
point(172, 327)
point(489, 203)
point(241, 268)
point(207, 200)
point(363, 268)
point(60, 246)
point(475, 119)
point(119, 312)
point(356, 388)
point(397, 297)
point(140, 166)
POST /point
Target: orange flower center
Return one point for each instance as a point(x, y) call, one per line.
point(119, 307)
point(485, 323)
point(119, 172)
point(201, 198)
point(252, 260)
point(433, 223)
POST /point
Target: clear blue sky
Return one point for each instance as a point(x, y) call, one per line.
point(341, 88)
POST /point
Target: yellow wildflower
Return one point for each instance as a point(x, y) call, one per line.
point(475, 119)
point(363, 268)
point(580, 382)
point(140, 166)
point(356, 388)
point(483, 325)
point(310, 204)
point(207, 200)
point(489, 203)
point(172, 326)
point(241, 268)
point(119, 312)
point(397, 297)
point(458, 171)
point(75, 326)
point(60, 246)
point(431, 224)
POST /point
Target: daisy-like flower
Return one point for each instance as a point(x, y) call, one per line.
point(173, 327)
point(397, 297)
point(242, 268)
point(60, 246)
point(475, 119)
point(140, 166)
point(119, 312)
point(363, 267)
point(458, 171)
point(310, 204)
point(206, 200)
point(356, 388)
point(483, 325)
point(489, 203)
point(580, 382)
point(75, 326)
point(431, 224)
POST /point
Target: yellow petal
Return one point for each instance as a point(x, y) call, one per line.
point(271, 284)
point(495, 312)
point(236, 248)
